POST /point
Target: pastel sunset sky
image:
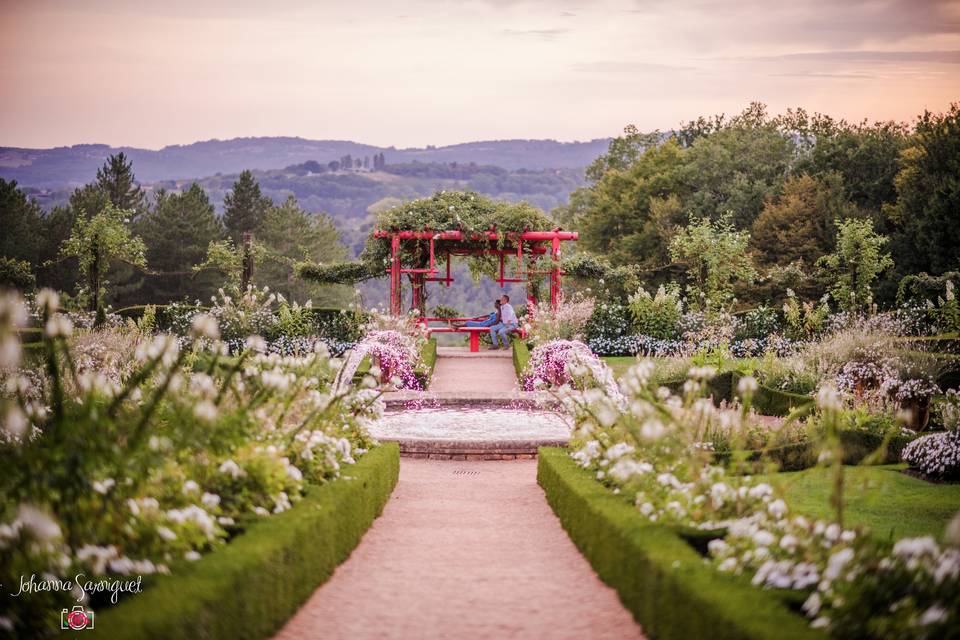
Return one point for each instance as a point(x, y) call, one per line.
point(423, 72)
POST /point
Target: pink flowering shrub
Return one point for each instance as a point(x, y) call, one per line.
point(567, 362)
point(395, 355)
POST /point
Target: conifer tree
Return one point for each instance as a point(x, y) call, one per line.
point(244, 207)
point(177, 232)
point(117, 181)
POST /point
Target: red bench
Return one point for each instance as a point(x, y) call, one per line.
point(474, 332)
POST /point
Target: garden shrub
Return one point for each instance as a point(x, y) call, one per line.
point(756, 324)
point(16, 274)
point(657, 316)
point(521, 356)
point(659, 577)
point(249, 588)
point(609, 322)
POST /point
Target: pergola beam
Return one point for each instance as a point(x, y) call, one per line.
point(536, 246)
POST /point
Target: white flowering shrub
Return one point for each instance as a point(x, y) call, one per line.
point(646, 444)
point(160, 459)
point(566, 321)
point(936, 455)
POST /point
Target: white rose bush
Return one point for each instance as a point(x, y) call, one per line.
point(646, 444)
point(136, 473)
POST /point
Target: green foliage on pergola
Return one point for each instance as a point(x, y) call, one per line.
point(463, 211)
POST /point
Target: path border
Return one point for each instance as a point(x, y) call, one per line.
point(253, 585)
point(660, 578)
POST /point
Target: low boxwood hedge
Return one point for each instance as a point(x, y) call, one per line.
point(660, 578)
point(521, 356)
point(250, 587)
point(767, 401)
point(428, 360)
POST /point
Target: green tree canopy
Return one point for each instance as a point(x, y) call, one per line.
point(737, 169)
point(116, 180)
point(926, 233)
point(290, 235)
point(22, 224)
point(98, 242)
point(628, 213)
point(716, 259)
point(799, 223)
point(177, 231)
point(244, 207)
point(856, 263)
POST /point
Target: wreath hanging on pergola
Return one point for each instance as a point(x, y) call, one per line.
point(510, 242)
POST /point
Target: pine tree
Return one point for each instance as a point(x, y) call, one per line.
point(244, 207)
point(177, 232)
point(291, 234)
point(21, 220)
point(115, 178)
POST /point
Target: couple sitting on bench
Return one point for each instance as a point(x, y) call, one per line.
point(501, 322)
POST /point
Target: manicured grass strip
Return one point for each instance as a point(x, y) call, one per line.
point(250, 587)
point(521, 356)
point(667, 586)
point(894, 505)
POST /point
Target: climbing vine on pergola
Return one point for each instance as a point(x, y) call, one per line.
point(509, 242)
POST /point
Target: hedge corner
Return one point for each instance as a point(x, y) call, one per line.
point(251, 587)
point(659, 577)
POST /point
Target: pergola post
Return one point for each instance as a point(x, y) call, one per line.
point(395, 302)
point(420, 276)
point(555, 272)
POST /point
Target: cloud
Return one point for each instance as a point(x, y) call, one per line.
point(816, 74)
point(626, 66)
point(937, 57)
point(539, 34)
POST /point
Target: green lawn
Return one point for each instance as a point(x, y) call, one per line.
point(892, 504)
point(619, 364)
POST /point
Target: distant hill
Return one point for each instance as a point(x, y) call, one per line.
point(76, 165)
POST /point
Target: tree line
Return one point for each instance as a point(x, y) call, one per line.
point(781, 203)
point(169, 246)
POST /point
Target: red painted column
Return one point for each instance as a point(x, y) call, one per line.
point(555, 272)
point(395, 275)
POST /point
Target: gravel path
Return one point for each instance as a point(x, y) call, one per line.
point(464, 550)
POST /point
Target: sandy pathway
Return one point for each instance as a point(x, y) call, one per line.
point(487, 371)
point(464, 550)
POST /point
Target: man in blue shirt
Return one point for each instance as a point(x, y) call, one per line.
point(508, 322)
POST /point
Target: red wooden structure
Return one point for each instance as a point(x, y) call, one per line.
point(527, 243)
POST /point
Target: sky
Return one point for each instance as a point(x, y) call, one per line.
point(419, 72)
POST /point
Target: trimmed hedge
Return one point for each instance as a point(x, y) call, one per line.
point(767, 400)
point(428, 360)
point(251, 587)
point(521, 356)
point(660, 578)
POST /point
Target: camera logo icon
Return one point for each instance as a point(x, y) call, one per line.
point(76, 619)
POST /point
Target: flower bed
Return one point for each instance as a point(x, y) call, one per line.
point(671, 592)
point(252, 586)
point(850, 584)
point(154, 454)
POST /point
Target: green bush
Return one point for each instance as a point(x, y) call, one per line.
point(657, 316)
point(757, 324)
point(660, 578)
point(252, 586)
point(16, 274)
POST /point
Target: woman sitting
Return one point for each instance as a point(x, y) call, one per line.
point(492, 319)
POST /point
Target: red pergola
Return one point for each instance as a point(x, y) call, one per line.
point(517, 244)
